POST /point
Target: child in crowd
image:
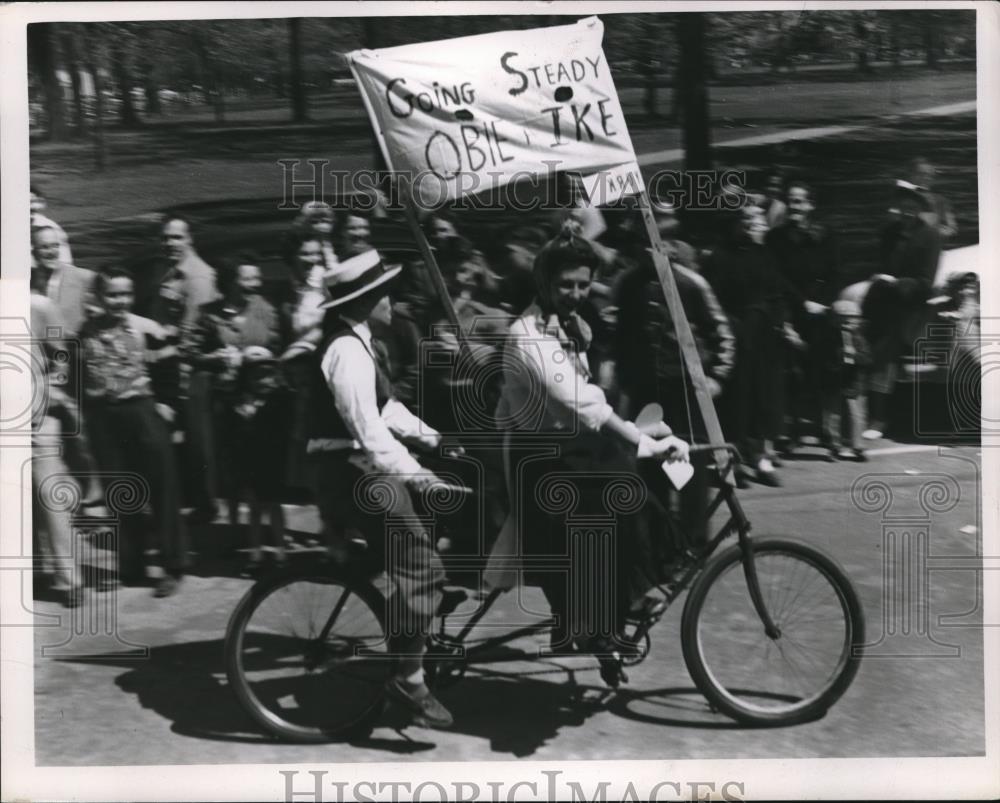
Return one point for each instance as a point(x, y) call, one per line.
point(848, 410)
point(130, 389)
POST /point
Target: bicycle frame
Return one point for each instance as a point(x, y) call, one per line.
point(692, 562)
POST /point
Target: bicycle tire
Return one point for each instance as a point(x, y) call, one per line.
point(315, 693)
point(722, 682)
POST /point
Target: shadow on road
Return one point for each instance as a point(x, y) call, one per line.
point(518, 710)
point(674, 706)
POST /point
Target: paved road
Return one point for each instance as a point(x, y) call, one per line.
point(174, 706)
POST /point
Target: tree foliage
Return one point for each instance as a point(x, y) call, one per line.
point(208, 61)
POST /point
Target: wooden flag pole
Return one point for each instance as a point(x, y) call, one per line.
point(685, 337)
point(430, 261)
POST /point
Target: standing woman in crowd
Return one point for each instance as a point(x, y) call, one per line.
point(752, 293)
point(579, 442)
point(353, 233)
point(302, 319)
point(217, 342)
point(317, 220)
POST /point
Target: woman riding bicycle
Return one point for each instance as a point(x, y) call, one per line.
point(564, 440)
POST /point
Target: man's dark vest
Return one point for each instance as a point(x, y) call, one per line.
point(323, 420)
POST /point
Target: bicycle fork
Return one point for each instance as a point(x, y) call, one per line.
point(742, 525)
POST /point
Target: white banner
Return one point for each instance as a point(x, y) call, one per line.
point(471, 114)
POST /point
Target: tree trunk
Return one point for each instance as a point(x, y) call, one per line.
point(894, 40)
point(93, 62)
point(861, 32)
point(299, 110)
point(123, 78)
point(150, 88)
point(649, 99)
point(694, 91)
point(863, 65)
point(209, 78)
point(930, 45)
point(73, 65)
point(41, 48)
point(276, 68)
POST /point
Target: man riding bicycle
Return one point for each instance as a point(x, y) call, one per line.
point(356, 431)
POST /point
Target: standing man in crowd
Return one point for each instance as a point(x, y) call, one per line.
point(130, 385)
point(40, 220)
point(71, 289)
point(56, 553)
point(172, 294)
point(805, 252)
point(895, 304)
point(651, 366)
point(69, 293)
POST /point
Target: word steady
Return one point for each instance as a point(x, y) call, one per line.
point(557, 73)
point(477, 145)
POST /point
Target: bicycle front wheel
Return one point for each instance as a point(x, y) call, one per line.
point(307, 656)
point(795, 676)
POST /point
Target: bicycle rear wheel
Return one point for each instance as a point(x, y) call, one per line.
point(307, 656)
point(757, 679)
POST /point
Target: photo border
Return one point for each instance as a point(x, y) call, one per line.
point(775, 778)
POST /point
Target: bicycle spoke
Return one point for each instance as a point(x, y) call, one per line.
point(323, 682)
point(765, 677)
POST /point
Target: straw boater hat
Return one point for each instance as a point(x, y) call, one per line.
point(355, 277)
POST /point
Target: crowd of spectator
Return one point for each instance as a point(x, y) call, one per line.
point(197, 382)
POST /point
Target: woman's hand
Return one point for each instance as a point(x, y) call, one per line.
point(669, 448)
point(674, 448)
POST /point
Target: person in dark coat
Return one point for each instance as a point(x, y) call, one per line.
point(806, 253)
point(651, 367)
point(895, 307)
point(753, 294)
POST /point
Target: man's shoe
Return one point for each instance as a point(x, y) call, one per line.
point(418, 699)
point(871, 434)
point(166, 586)
point(70, 597)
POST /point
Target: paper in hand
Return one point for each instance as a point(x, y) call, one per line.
point(678, 472)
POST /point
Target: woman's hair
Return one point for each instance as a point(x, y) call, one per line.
point(228, 271)
point(302, 225)
point(565, 251)
point(294, 240)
